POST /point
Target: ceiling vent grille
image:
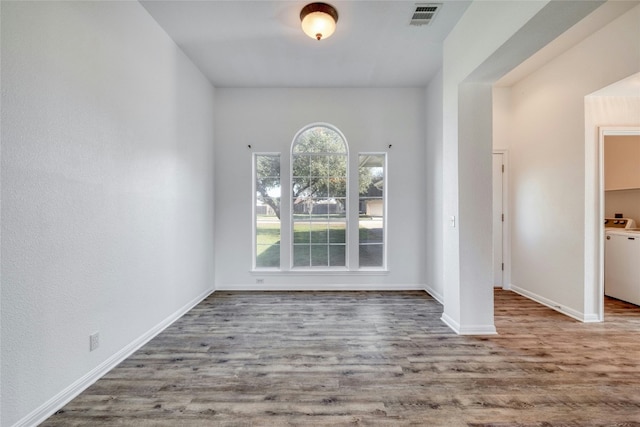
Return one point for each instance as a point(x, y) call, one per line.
point(425, 13)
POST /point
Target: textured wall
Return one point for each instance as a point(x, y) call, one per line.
point(551, 155)
point(467, 48)
point(107, 189)
point(370, 119)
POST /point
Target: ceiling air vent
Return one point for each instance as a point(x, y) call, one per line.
point(425, 13)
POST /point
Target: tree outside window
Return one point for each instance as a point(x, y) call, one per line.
point(267, 210)
point(319, 203)
point(319, 198)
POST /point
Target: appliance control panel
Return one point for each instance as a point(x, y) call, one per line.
point(619, 223)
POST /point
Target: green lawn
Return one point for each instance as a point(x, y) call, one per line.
point(310, 243)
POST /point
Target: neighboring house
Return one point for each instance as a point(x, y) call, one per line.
point(262, 209)
point(373, 207)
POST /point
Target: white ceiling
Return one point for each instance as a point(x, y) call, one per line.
point(260, 44)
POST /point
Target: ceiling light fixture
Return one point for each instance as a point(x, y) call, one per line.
point(318, 20)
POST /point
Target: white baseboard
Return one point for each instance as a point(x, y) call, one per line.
point(455, 326)
point(436, 295)
point(48, 408)
point(567, 311)
point(468, 329)
point(320, 287)
point(592, 318)
point(478, 330)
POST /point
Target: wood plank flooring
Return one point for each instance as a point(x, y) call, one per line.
point(371, 358)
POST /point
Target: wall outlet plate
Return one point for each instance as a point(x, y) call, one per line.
point(94, 341)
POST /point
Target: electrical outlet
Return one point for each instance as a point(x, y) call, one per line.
point(94, 341)
point(260, 281)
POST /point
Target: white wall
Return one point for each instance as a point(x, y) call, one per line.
point(547, 156)
point(370, 119)
point(434, 185)
point(602, 110)
point(501, 111)
point(465, 49)
point(492, 38)
point(107, 192)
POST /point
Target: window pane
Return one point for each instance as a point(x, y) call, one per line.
point(268, 165)
point(320, 187)
point(338, 230)
point(318, 166)
point(371, 255)
point(371, 175)
point(337, 256)
point(300, 187)
point(319, 139)
point(336, 166)
point(267, 231)
point(319, 195)
point(301, 255)
point(370, 230)
point(319, 256)
point(267, 256)
point(322, 208)
point(267, 210)
point(319, 232)
point(340, 207)
point(301, 231)
point(337, 187)
point(300, 166)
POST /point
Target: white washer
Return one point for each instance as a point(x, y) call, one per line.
point(622, 264)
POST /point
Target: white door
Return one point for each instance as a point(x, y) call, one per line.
point(498, 220)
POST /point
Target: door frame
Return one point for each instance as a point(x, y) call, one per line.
point(604, 131)
point(506, 229)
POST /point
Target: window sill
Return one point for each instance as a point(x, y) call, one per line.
point(311, 272)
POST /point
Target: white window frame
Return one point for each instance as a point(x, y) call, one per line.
point(385, 211)
point(312, 269)
point(254, 234)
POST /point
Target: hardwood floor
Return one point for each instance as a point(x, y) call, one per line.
point(371, 358)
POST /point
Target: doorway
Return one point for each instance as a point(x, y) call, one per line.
point(619, 166)
point(615, 108)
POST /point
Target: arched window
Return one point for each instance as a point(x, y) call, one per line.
point(319, 178)
point(321, 220)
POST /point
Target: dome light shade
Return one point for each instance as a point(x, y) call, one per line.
point(318, 20)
